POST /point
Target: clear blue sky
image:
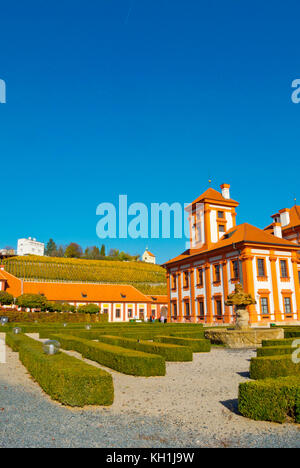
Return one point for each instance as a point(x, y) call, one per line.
point(149, 99)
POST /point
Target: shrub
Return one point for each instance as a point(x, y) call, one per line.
point(121, 359)
point(271, 399)
point(63, 377)
point(274, 350)
point(197, 345)
point(32, 301)
point(292, 333)
point(168, 351)
point(188, 334)
point(43, 317)
point(89, 309)
point(286, 342)
point(273, 366)
point(6, 298)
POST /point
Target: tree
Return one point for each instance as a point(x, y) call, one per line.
point(60, 251)
point(95, 253)
point(73, 250)
point(6, 298)
point(51, 249)
point(89, 309)
point(66, 307)
point(102, 251)
point(32, 301)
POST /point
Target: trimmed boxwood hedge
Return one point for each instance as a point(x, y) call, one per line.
point(64, 378)
point(271, 399)
point(169, 351)
point(273, 366)
point(197, 345)
point(292, 333)
point(274, 350)
point(120, 359)
point(285, 342)
point(188, 334)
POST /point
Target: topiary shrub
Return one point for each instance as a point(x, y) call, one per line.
point(123, 360)
point(271, 399)
point(63, 377)
point(89, 309)
point(196, 345)
point(6, 298)
point(272, 367)
point(169, 351)
point(32, 301)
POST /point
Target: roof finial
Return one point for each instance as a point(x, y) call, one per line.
point(209, 181)
point(295, 200)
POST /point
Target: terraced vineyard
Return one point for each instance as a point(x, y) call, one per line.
point(149, 279)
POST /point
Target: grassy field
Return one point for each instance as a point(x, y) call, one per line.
point(149, 279)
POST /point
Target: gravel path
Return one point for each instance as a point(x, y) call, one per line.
point(194, 405)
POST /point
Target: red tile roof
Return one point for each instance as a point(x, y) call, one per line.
point(86, 292)
point(241, 233)
point(213, 195)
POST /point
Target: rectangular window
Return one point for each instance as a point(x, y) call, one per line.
point(287, 305)
point(299, 276)
point(129, 313)
point(221, 214)
point(283, 269)
point(217, 274)
point(174, 282)
point(235, 269)
point(105, 311)
point(201, 308)
point(264, 306)
point(221, 228)
point(186, 279)
point(219, 308)
point(261, 267)
point(187, 308)
point(118, 313)
point(174, 309)
point(200, 277)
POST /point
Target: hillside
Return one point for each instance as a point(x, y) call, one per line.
point(149, 279)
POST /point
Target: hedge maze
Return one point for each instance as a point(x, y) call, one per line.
point(274, 395)
point(133, 349)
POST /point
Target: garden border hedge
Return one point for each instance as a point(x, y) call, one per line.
point(197, 345)
point(64, 378)
point(169, 351)
point(271, 399)
point(272, 367)
point(120, 359)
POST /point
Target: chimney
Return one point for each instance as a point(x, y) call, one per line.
point(225, 191)
point(277, 229)
point(284, 217)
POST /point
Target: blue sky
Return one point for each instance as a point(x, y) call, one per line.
point(149, 99)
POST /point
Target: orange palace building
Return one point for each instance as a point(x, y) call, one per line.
point(266, 262)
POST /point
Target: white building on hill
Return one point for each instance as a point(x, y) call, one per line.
point(148, 257)
point(30, 246)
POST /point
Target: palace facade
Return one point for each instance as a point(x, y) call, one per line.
point(222, 253)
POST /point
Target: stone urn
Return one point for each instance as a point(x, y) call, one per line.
point(240, 300)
